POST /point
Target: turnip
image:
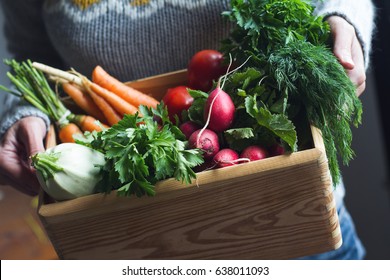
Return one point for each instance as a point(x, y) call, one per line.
point(206, 140)
point(254, 152)
point(226, 157)
point(188, 128)
point(68, 170)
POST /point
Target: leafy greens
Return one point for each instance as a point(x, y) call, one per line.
point(291, 69)
point(140, 152)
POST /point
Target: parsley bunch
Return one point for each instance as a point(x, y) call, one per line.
point(140, 152)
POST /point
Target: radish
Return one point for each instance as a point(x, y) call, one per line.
point(188, 128)
point(206, 140)
point(219, 110)
point(254, 153)
point(276, 150)
point(225, 157)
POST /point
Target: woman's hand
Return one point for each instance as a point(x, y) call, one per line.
point(348, 51)
point(21, 141)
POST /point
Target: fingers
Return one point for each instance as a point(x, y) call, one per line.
point(15, 171)
point(348, 51)
point(343, 34)
point(23, 139)
point(31, 134)
point(358, 73)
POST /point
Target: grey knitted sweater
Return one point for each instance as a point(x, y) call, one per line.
point(131, 38)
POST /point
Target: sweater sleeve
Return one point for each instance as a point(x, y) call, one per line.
point(26, 39)
point(18, 110)
point(359, 13)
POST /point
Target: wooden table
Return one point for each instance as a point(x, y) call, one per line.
point(22, 236)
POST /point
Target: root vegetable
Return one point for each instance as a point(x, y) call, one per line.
point(206, 140)
point(226, 157)
point(86, 123)
point(276, 150)
point(83, 100)
point(129, 94)
point(219, 110)
point(67, 132)
point(68, 170)
point(254, 153)
point(205, 67)
point(188, 128)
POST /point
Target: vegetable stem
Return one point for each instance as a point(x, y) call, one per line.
point(46, 164)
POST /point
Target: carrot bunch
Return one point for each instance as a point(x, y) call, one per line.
point(33, 87)
point(103, 97)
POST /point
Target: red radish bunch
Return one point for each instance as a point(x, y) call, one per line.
point(218, 116)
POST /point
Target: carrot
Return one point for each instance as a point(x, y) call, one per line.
point(87, 123)
point(67, 131)
point(131, 95)
point(83, 100)
point(109, 113)
point(51, 140)
point(116, 102)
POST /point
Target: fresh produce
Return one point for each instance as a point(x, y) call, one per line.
point(68, 170)
point(33, 87)
point(205, 67)
point(177, 100)
point(226, 157)
point(206, 140)
point(188, 128)
point(219, 110)
point(140, 152)
point(276, 150)
point(129, 94)
point(86, 123)
point(83, 100)
point(111, 115)
point(67, 132)
point(291, 73)
point(254, 152)
point(116, 102)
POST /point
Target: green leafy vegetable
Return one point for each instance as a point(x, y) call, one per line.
point(33, 87)
point(291, 69)
point(140, 153)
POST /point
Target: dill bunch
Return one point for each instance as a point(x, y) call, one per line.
point(289, 45)
point(312, 75)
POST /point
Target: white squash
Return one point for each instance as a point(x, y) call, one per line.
point(68, 170)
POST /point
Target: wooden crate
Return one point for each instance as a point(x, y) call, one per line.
point(277, 208)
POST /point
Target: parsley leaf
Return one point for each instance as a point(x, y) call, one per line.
point(140, 152)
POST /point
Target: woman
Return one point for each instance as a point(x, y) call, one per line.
point(134, 39)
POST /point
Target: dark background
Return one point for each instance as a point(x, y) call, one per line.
point(367, 177)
